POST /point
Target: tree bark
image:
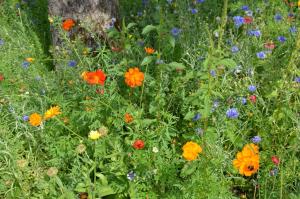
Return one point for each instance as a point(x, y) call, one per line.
point(98, 14)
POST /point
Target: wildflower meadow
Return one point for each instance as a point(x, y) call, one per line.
point(179, 99)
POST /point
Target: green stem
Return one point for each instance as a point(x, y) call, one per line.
point(67, 128)
point(223, 23)
point(141, 99)
point(94, 187)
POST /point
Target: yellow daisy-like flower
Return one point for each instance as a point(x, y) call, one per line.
point(29, 59)
point(191, 150)
point(52, 112)
point(35, 119)
point(94, 135)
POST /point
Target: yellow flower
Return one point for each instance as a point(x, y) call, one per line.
point(52, 112)
point(94, 135)
point(29, 59)
point(191, 150)
point(35, 119)
point(247, 161)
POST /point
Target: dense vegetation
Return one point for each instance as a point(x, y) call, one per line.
point(186, 99)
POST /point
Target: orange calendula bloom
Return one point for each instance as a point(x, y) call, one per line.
point(134, 77)
point(35, 119)
point(68, 24)
point(52, 112)
point(149, 50)
point(97, 77)
point(29, 59)
point(128, 118)
point(191, 150)
point(247, 161)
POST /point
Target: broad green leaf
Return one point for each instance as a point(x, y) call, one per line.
point(227, 62)
point(147, 60)
point(148, 29)
point(105, 191)
point(188, 169)
point(172, 41)
point(189, 115)
point(130, 25)
point(176, 65)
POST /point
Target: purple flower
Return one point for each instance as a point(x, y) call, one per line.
point(255, 33)
point(194, 10)
point(245, 7)
point(200, 1)
point(243, 100)
point(281, 39)
point(252, 88)
point(278, 17)
point(256, 139)
point(175, 31)
point(213, 73)
point(25, 64)
point(232, 113)
point(261, 55)
point(131, 175)
point(72, 63)
point(25, 118)
point(234, 49)
point(297, 79)
point(293, 29)
point(197, 117)
point(238, 21)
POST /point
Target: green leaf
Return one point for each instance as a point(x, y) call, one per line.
point(189, 115)
point(172, 41)
point(105, 191)
point(102, 178)
point(130, 25)
point(227, 62)
point(147, 60)
point(148, 29)
point(188, 169)
point(176, 66)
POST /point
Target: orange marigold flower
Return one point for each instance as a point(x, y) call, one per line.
point(68, 24)
point(134, 77)
point(52, 112)
point(128, 118)
point(247, 161)
point(149, 50)
point(97, 77)
point(29, 59)
point(35, 119)
point(191, 150)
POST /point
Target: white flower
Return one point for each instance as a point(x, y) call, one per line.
point(155, 149)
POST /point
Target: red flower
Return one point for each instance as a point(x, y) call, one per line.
point(252, 98)
point(275, 160)
point(139, 144)
point(68, 24)
point(1, 77)
point(97, 77)
point(248, 20)
point(270, 45)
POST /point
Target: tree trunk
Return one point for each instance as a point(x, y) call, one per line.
point(97, 14)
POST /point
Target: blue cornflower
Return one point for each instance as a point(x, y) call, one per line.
point(281, 39)
point(145, 2)
point(256, 139)
point(139, 13)
point(25, 118)
point(194, 10)
point(234, 49)
point(261, 55)
point(25, 64)
point(131, 175)
point(297, 79)
point(197, 117)
point(200, 1)
point(216, 104)
point(249, 13)
point(232, 113)
point(199, 131)
point(1, 42)
point(291, 15)
point(293, 29)
point(252, 88)
point(245, 7)
point(278, 17)
point(255, 33)
point(72, 63)
point(212, 73)
point(175, 31)
point(243, 100)
point(238, 21)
